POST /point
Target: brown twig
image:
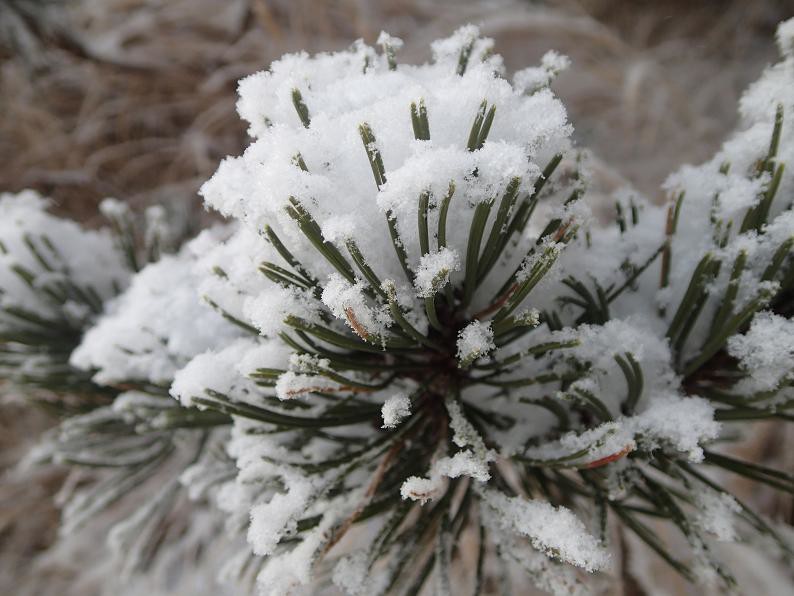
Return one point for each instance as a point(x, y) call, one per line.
point(360, 330)
point(498, 304)
point(609, 458)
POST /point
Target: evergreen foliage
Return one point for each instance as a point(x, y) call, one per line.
point(414, 337)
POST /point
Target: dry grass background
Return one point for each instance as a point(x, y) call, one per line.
point(135, 99)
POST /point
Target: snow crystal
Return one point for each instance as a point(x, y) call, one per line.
point(347, 302)
point(533, 79)
point(291, 384)
point(474, 340)
point(464, 433)
point(600, 443)
point(766, 350)
point(283, 573)
point(216, 371)
point(463, 463)
point(785, 38)
point(384, 39)
point(555, 61)
point(272, 520)
point(716, 514)
point(395, 410)
point(434, 270)
point(114, 209)
point(472, 462)
point(528, 317)
point(448, 51)
point(422, 489)
point(553, 530)
point(154, 328)
point(680, 422)
point(350, 574)
point(600, 343)
point(268, 309)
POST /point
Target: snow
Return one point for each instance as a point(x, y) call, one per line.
point(553, 530)
point(422, 489)
point(555, 62)
point(670, 422)
point(600, 442)
point(268, 309)
point(472, 461)
point(599, 344)
point(395, 409)
point(292, 384)
point(683, 423)
point(474, 341)
point(154, 328)
point(447, 50)
point(157, 230)
point(384, 39)
point(533, 79)
point(717, 514)
point(210, 370)
point(278, 517)
point(463, 433)
point(114, 209)
point(463, 463)
point(434, 271)
point(284, 573)
point(347, 302)
point(785, 38)
point(86, 257)
point(766, 350)
point(350, 574)
point(339, 95)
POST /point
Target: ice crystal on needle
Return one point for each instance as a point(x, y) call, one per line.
point(395, 409)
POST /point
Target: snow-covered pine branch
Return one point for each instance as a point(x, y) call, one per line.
point(415, 326)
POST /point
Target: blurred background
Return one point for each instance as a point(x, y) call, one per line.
point(135, 99)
